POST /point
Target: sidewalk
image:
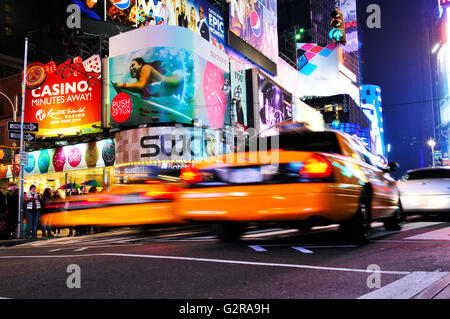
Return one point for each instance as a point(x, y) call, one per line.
point(439, 290)
point(20, 241)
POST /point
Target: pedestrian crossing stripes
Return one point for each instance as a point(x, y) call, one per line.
point(254, 234)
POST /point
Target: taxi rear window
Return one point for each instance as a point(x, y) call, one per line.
point(325, 142)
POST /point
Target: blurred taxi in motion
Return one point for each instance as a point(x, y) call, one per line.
point(138, 199)
point(309, 179)
point(425, 191)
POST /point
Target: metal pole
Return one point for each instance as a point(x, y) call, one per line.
point(12, 105)
point(232, 122)
point(432, 155)
point(21, 190)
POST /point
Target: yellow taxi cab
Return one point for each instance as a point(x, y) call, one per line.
point(143, 198)
point(304, 179)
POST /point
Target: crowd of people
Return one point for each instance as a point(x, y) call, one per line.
point(36, 211)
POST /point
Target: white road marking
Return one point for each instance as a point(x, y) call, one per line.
point(407, 286)
point(440, 234)
point(257, 248)
point(81, 249)
point(53, 250)
point(222, 261)
point(279, 232)
point(303, 250)
point(411, 226)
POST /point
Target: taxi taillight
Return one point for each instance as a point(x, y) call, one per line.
point(190, 175)
point(316, 166)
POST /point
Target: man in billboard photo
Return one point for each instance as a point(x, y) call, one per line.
point(150, 81)
point(202, 25)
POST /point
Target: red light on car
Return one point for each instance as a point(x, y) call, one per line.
point(316, 166)
point(153, 181)
point(190, 175)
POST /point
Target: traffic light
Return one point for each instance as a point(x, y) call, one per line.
point(337, 34)
point(299, 34)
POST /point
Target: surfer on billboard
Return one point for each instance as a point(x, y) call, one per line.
point(150, 80)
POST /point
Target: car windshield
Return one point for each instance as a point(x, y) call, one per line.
point(309, 142)
point(427, 174)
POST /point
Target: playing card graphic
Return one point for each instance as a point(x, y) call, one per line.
point(93, 64)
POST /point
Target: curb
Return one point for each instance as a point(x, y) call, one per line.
point(434, 290)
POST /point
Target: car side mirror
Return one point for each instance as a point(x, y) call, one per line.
point(391, 166)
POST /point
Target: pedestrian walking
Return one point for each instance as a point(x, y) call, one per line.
point(33, 205)
point(46, 218)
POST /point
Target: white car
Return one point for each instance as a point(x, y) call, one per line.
point(425, 190)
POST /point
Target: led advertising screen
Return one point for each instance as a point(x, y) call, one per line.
point(122, 12)
point(91, 9)
point(348, 8)
point(199, 16)
point(238, 84)
point(255, 21)
point(169, 75)
point(71, 157)
point(274, 106)
point(166, 143)
point(64, 99)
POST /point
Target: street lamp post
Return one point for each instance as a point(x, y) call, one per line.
point(22, 148)
point(432, 143)
point(14, 108)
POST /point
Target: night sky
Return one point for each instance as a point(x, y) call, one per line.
point(395, 58)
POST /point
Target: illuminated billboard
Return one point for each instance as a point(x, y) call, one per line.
point(122, 12)
point(166, 143)
point(166, 74)
point(199, 16)
point(64, 99)
point(238, 84)
point(272, 105)
point(348, 8)
point(70, 158)
point(255, 22)
point(371, 106)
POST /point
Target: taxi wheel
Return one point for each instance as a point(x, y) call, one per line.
point(396, 221)
point(357, 229)
point(228, 232)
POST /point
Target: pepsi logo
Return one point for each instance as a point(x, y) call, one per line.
point(255, 23)
point(121, 4)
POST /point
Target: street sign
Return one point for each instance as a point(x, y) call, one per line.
point(27, 126)
point(24, 158)
point(27, 137)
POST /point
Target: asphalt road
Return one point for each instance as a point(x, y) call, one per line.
point(190, 264)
